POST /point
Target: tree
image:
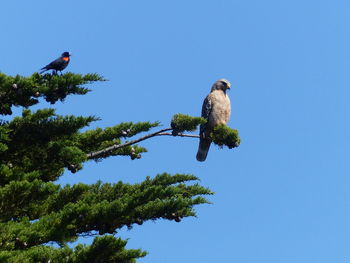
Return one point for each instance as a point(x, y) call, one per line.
point(35, 150)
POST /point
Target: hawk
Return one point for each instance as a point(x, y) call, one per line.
point(58, 64)
point(216, 110)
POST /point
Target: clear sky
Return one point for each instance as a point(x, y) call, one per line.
point(284, 194)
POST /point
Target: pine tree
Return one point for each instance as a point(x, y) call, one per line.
point(37, 147)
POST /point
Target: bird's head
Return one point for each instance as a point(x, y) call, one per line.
point(221, 84)
point(66, 54)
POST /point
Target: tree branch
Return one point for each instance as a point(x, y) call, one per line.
point(179, 134)
point(163, 132)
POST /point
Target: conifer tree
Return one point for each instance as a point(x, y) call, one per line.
point(36, 149)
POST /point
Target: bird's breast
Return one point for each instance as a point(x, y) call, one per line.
point(221, 109)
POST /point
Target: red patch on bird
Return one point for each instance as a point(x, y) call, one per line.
point(65, 58)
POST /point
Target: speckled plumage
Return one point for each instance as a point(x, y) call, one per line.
point(217, 110)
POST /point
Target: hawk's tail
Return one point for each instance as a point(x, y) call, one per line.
point(204, 145)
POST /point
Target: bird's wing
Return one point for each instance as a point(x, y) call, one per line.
point(53, 64)
point(204, 140)
point(206, 110)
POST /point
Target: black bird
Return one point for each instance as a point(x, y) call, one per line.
point(58, 64)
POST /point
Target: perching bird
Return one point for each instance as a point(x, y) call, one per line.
point(58, 64)
point(216, 110)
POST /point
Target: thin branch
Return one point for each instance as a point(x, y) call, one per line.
point(179, 134)
point(162, 132)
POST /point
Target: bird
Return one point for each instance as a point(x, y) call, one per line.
point(216, 110)
point(58, 64)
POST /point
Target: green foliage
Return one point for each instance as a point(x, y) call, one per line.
point(82, 209)
point(25, 91)
point(3, 138)
point(224, 135)
point(107, 249)
point(35, 150)
point(98, 139)
point(181, 122)
point(43, 141)
point(24, 198)
point(48, 142)
point(103, 249)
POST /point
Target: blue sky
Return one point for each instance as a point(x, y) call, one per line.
point(284, 194)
